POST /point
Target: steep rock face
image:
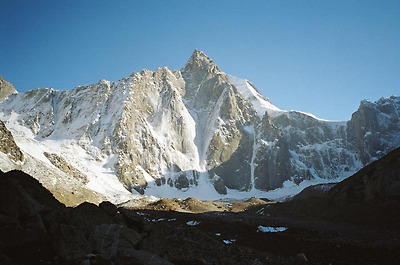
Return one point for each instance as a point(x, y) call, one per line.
point(36, 109)
point(156, 132)
point(373, 128)
point(178, 129)
point(8, 145)
point(310, 148)
point(222, 116)
point(6, 88)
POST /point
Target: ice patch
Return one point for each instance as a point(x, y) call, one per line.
point(142, 214)
point(260, 212)
point(193, 223)
point(158, 220)
point(270, 229)
point(228, 242)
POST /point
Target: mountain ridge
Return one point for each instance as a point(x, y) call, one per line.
point(370, 197)
point(194, 132)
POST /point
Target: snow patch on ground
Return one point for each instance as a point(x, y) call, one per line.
point(193, 223)
point(229, 241)
point(270, 229)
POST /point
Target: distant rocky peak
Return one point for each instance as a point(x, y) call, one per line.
point(198, 73)
point(200, 61)
point(6, 88)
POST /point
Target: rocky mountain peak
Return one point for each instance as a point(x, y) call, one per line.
point(164, 132)
point(6, 88)
point(199, 71)
point(200, 61)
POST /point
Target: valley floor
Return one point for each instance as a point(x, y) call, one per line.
point(233, 234)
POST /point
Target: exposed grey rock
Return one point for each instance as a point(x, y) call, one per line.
point(236, 171)
point(8, 145)
point(6, 88)
point(63, 165)
point(182, 182)
point(219, 184)
point(373, 128)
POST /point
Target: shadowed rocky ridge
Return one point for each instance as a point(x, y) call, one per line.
point(37, 229)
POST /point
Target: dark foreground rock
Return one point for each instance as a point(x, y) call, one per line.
point(37, 229)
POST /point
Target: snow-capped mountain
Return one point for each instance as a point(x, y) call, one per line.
point(194, 132)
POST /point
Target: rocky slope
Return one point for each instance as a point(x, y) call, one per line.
point(67, 184)
point(33, 222)
point(6, 88)
point(61, 179)
point(194, 132)
point(8, 145)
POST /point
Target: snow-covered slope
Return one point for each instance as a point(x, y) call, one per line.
point(194, 132)
point(78, 172)
point(260, 103)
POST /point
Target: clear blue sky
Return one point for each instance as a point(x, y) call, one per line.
point(317, 56)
